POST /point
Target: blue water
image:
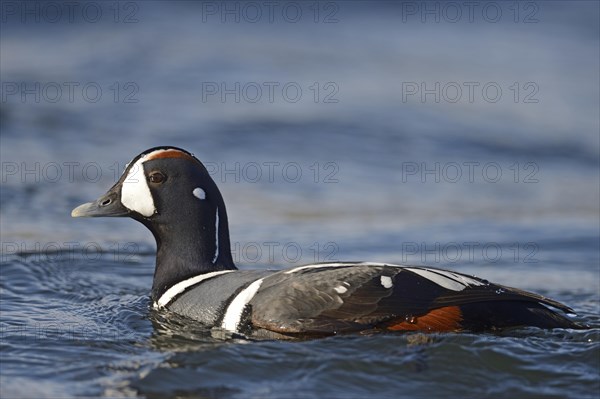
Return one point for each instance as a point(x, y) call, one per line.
point(364, 165)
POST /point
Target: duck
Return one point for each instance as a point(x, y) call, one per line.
point(170, 191)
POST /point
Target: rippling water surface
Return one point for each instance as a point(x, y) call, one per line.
point(75, 315)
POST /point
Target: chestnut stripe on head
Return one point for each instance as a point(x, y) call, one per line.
point(169, 153)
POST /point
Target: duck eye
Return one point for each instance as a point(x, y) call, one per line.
point(156, 177)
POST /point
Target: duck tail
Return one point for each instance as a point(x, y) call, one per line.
point(504, 314)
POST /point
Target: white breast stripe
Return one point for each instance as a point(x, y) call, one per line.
point(180, 287)
point(236, 307)
point(135, 194)
point(216, 236)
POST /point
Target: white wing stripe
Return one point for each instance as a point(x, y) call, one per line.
point(339, 264)
point(463, 279)
point(446, 279)
point(440, 280)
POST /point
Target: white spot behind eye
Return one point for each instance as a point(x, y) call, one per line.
point(199, 193)
point(386, 281)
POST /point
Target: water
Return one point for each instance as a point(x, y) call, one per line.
point(75, 314)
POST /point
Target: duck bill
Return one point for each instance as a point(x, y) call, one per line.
point(109, 205)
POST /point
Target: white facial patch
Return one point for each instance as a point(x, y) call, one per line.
point(386, 281)
point(199, 193)
point(135, 193)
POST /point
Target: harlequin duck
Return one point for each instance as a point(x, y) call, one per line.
point(170, 191)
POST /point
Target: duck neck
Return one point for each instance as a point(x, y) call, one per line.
point(185, 251)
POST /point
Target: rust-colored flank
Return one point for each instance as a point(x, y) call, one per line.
point(442, 319)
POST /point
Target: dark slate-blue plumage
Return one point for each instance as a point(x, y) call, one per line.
point(169, 191)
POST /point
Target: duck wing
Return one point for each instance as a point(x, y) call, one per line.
point(326, 299)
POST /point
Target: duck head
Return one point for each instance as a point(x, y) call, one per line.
point(170, 192)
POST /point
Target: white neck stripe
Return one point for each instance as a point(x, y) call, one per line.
point(234, 312)
point(183, 285)
point(216, 236)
